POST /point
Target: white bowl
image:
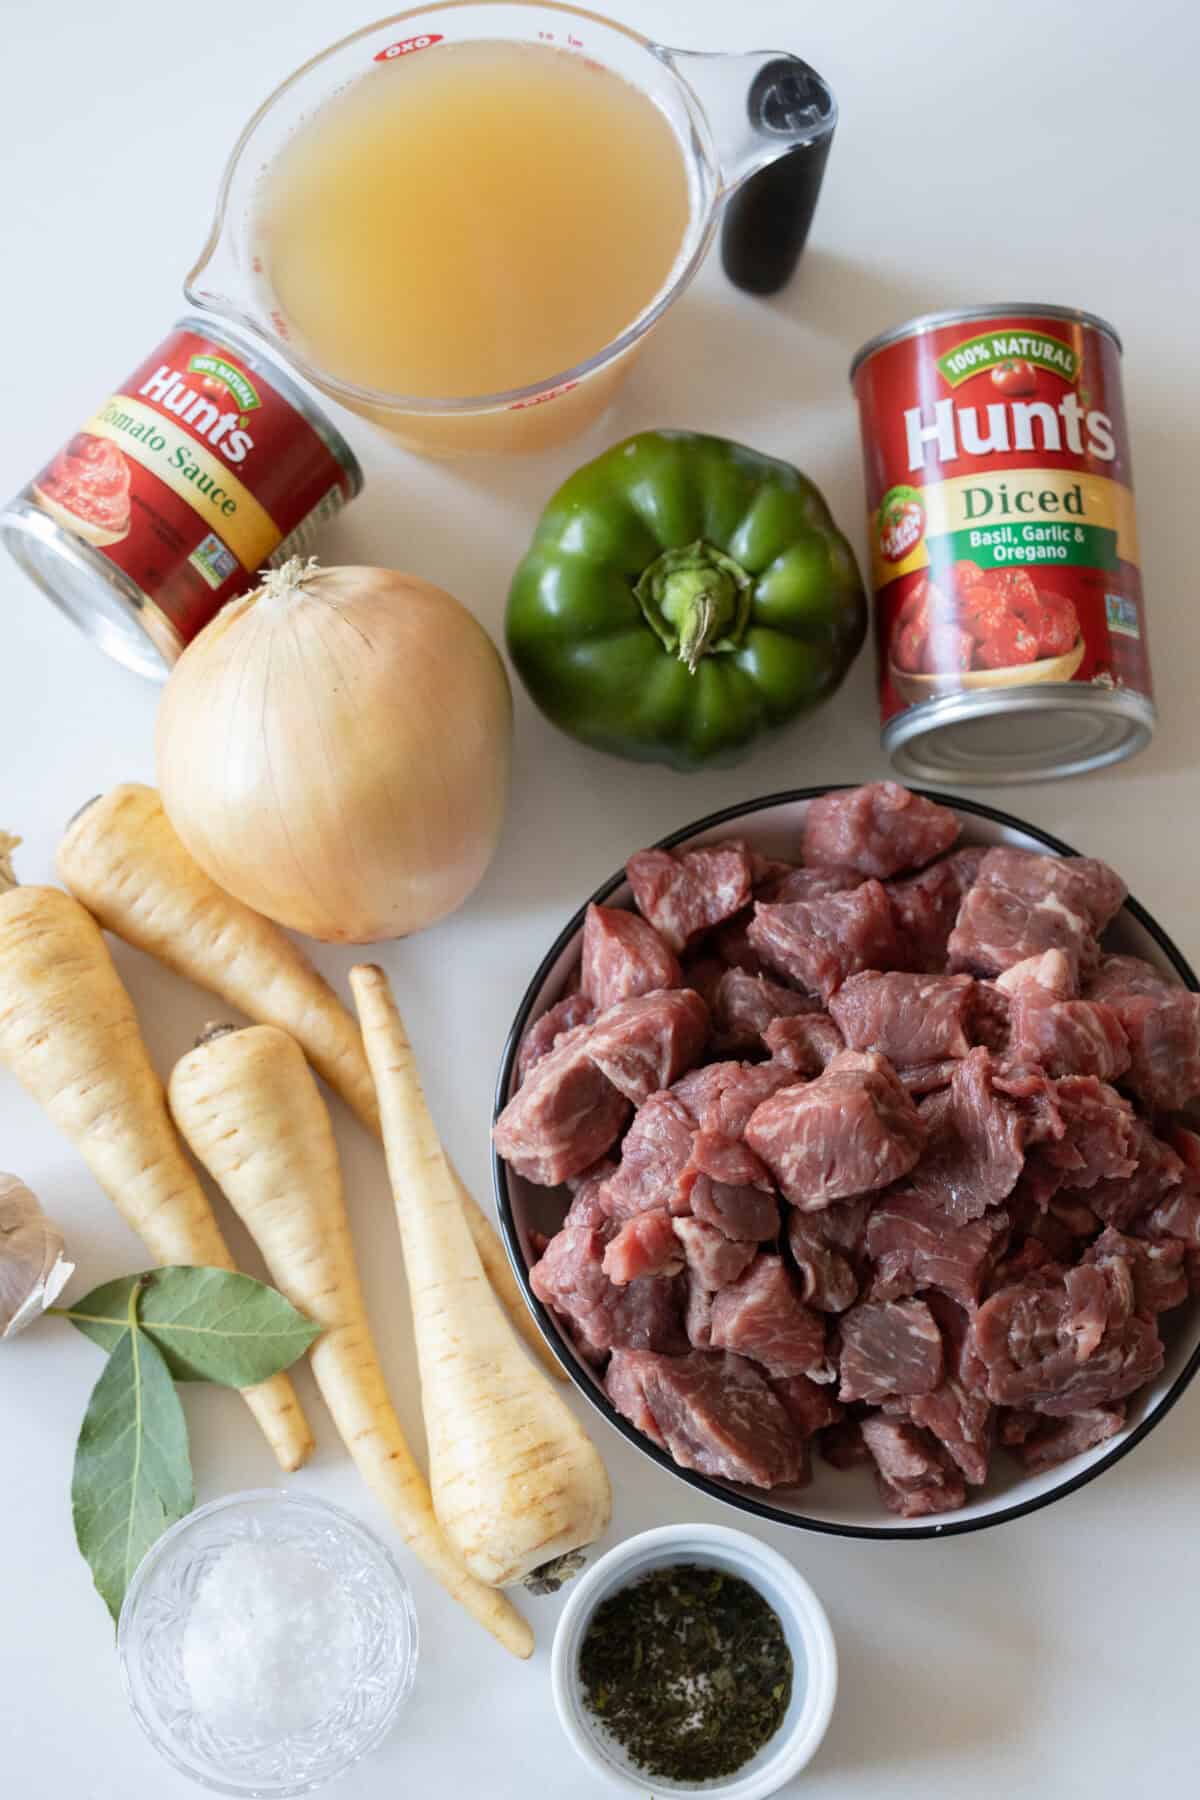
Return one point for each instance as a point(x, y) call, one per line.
point(844, 1502)
point(805, 1627)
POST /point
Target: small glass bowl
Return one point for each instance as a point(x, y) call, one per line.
point(155, 1615)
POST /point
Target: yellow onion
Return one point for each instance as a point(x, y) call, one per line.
point(333, 749)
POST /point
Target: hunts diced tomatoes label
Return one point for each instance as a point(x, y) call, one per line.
point(1000, 509)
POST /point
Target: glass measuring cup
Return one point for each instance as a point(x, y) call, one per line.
point(733, 116)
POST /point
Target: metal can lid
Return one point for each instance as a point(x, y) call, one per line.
point(255, 350)
point(1038, 733)
point(969, 315)
point(91, 591)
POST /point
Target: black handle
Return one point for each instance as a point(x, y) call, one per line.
point(767, 220)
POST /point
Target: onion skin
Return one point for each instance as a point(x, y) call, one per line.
point(334, 751)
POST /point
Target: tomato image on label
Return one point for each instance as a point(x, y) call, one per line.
point(982, 621)
point(86, 487)
point(901, 523)
point(1016, 379)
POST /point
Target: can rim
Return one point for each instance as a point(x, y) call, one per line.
point(963, 315)
point(908, 729)
point(23, 523)
point(215, 327)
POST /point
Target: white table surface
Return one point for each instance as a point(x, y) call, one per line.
point(983, 154)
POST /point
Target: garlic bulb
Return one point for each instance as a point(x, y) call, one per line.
point(333, 750)
point(33, 1269)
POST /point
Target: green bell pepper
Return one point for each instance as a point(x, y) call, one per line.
point(681, 596)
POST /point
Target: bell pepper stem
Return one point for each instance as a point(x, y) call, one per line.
point(697, 600)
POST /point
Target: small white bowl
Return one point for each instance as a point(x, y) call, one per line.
point(805, 1626)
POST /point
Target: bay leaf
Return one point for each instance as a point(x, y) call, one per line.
point(209, 1324)
point(133, 1474)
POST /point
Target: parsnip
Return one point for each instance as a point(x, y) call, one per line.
point(122, 858)
point(515, 1479)
point(248, 1106)
point(69, 1034)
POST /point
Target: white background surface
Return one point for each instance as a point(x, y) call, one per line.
point(1024, 151)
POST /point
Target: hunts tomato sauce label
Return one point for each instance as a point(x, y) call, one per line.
point(206, 465)
point(1000, 514)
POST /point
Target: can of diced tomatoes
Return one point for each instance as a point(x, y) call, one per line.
point(207, 465)
point(1009, 616)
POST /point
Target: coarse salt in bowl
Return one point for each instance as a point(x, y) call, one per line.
point(805, 1626)
point(267, 1642)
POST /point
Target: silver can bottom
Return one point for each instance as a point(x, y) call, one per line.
point(1037, 733)
point(97, 596)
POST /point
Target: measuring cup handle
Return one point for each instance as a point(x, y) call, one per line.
point(773, 119)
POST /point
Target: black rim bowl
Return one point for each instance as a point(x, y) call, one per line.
point(590, 1388)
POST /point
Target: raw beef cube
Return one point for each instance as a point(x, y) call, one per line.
point(843, 1225)
point(713, 1413)
point(698, 1316)
point(644, 1245)
point(810, 1405)
point(645, 1044)
point(713, 1259)
point(1098, 1139)
point(1159, 1277)
point(827, 1277)
point(1044, 1443)
point(545, 1032)
point(849, 1132)
point(564, 1115)
point(655, 1158)
point(807, 1044)
point(685, 892)
point(1119, 1202)
point(744, 1005)
point(1048, 1026)
point(958, 1412)
point(888, 1348)
point(819, 943)
point(962, 1421)
point(1079, 884)
point(623, 957)
point(1120, 975)
point(625, 1386)
point(1023, 904)
point(730, 1188)
point(880, 829)
point(808, 884)
point(761, 1315)
point(587, 1200)
point(910, 1019)
point(925, 906)
point(976, 1144)
point(908, 1234)
point(722, 1096)
point(1063, 1341)
point(643, 1315)
point(915, 1475)
point(1161, 1020)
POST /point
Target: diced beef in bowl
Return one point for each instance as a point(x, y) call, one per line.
point(879, 829)
point(872, 1151)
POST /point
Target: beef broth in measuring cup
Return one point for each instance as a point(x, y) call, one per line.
point(463, 222)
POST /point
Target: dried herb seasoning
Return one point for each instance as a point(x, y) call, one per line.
point(689, 1670)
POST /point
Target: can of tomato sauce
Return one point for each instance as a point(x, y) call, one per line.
point(1008, 594)
point(207, 465)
